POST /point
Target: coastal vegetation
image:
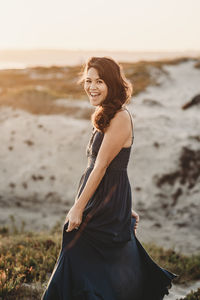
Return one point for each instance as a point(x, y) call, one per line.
point(27, 260)
point(35, 89)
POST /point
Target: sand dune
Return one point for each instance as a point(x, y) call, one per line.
point(43, 157)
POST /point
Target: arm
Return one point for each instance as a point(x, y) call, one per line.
point(114, 138)
point(91, 185)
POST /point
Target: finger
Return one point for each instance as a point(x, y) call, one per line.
point(136, 218)
point(70, 227)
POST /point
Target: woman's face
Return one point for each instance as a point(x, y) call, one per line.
point(95, 87)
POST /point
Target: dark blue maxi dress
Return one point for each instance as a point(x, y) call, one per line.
point(103, 259)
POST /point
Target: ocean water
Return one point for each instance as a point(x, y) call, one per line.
point(20, 59)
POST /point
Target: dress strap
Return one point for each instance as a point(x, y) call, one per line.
point(131, 123)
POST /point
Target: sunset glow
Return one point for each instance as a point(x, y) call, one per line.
point(91, 24)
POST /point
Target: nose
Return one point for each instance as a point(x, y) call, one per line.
point(92, 86)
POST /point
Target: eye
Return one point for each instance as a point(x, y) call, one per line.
point(99, 81)
point(87, 80)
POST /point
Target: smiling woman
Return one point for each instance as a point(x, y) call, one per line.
point(95, 87)
point(101, 257)
point(107, 89)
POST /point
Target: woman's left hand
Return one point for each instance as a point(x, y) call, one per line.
point(74, 216)
point(137, 218)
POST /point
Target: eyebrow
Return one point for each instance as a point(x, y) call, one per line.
point(96, 78)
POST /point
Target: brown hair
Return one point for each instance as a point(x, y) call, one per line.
point(119, 89)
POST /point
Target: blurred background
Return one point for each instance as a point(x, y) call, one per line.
point(45, 121)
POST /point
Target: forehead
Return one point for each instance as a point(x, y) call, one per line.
point(92, 73)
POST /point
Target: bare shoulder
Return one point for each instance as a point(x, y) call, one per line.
point(121, 120)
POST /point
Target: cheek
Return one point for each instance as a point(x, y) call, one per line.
point(85, 87)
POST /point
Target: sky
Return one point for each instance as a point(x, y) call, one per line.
point(126, 25)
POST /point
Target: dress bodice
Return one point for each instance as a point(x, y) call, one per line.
point(120, 161)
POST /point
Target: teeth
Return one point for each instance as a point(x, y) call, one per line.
point(94, 94)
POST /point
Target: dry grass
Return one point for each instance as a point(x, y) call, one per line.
point(38, 102)
point(35, 89)
point(139, 73)
point(27, 259)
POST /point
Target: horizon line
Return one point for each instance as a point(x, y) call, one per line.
point(99, 50)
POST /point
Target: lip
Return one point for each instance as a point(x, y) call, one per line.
point(95, 94)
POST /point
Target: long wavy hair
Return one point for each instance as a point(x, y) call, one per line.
point(119, 89)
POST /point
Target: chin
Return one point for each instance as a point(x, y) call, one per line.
point(94, 103)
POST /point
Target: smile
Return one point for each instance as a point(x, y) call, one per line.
point(94, 94)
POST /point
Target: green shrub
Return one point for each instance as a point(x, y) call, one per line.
point(187, 267)
point(192, 295)
point(27, 259)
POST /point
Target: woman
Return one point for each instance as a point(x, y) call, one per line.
point(100, 257)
